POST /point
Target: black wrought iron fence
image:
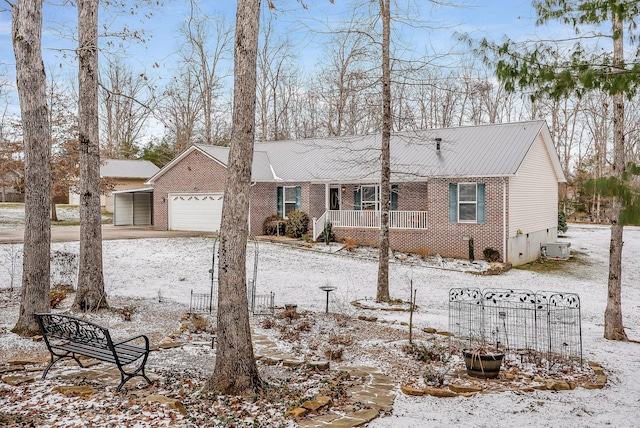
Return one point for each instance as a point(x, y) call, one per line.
point(518, 320)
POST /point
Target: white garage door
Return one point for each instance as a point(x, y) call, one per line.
point(197, 211)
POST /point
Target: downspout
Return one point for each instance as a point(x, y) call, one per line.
point(504, 220)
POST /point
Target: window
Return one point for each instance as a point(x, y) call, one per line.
point(288, 200)
point(370, 198)
point(467, 203)
point(367, 197)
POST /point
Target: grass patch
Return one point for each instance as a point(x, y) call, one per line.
point(551, 265)
point(12, 205)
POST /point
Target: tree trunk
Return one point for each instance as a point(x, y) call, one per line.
point(31, 84)
point(235, 370)
point(613, 327)
point(382, 294)
point(90, 294)
point(54, 213)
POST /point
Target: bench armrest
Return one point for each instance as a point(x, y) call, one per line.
point(142, 336)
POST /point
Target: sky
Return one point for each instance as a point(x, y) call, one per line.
point(157, 55)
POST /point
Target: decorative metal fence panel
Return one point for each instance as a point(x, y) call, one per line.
point(208, 302)
point(258, 303)
point(518, 320)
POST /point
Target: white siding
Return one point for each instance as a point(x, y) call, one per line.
point(123, 212)
point(132, 209)
point(533, 193)
point(142, 208)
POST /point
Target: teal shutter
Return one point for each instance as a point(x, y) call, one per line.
point(481, 204)
point(280, 199)
point(394, 197)
point(356, 198)
point(298, 198)
point(453, 203)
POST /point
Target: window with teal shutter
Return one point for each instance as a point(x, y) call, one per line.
point(467, 203)
point(453, 203)
point(298, 198)
point(356, 198)
point(481, 203)
point(280, 212)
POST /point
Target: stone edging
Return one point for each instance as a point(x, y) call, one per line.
point(457, 390)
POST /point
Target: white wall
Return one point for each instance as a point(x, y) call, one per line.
point(533, 205)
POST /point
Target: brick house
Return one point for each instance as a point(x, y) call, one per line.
point(492, 185)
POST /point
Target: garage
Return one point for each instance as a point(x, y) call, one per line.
point(133, 207)
point(195, 211)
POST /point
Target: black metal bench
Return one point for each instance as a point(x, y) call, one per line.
point(69, 337)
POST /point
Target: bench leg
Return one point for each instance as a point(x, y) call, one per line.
point(55, 358)
point(125, 377)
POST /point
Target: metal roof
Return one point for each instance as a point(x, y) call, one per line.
point(495, 150)
point(472, 151)
point(127, 168)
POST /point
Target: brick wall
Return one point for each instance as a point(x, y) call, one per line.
point(442, 237)
point(195, 173)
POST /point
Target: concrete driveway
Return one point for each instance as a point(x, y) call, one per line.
point(72, 233)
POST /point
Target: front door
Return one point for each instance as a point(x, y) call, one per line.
point(334, 199)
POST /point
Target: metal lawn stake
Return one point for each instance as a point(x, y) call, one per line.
point(412, 302)
point(328, 289)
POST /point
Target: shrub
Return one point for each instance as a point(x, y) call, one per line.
point(297, 224)
point(273, 225)
point(491, 254)
point(562, 222)
point(327, 234)
point(58, 293)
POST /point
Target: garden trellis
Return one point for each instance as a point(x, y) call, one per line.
point(258, 303)
point(518, 320)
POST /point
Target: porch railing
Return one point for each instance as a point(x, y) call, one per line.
point(368, 219)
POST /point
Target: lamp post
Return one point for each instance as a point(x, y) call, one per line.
point(328, 289)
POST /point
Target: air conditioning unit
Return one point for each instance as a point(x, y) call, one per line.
point(556, 250)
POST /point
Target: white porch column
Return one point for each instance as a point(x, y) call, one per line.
point(327, 186)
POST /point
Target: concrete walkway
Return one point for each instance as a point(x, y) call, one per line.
point(109, 232)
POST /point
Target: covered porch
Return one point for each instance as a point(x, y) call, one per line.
point(366, 213)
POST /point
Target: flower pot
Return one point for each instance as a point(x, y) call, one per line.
point(481, 364)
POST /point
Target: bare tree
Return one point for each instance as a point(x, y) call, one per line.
point(276, 71)
point(613, 325)
point(63, 122)
point(90, 294)
point(235, 370)
point(179, 111)
point(344, 77)
point(11, 148)
point(205, 61)
point(26, 32)
point(382, 293)
point(127, 104)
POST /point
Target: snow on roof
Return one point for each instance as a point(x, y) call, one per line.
point(128, 168)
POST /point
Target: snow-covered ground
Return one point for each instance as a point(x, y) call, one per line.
point(173, 267)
